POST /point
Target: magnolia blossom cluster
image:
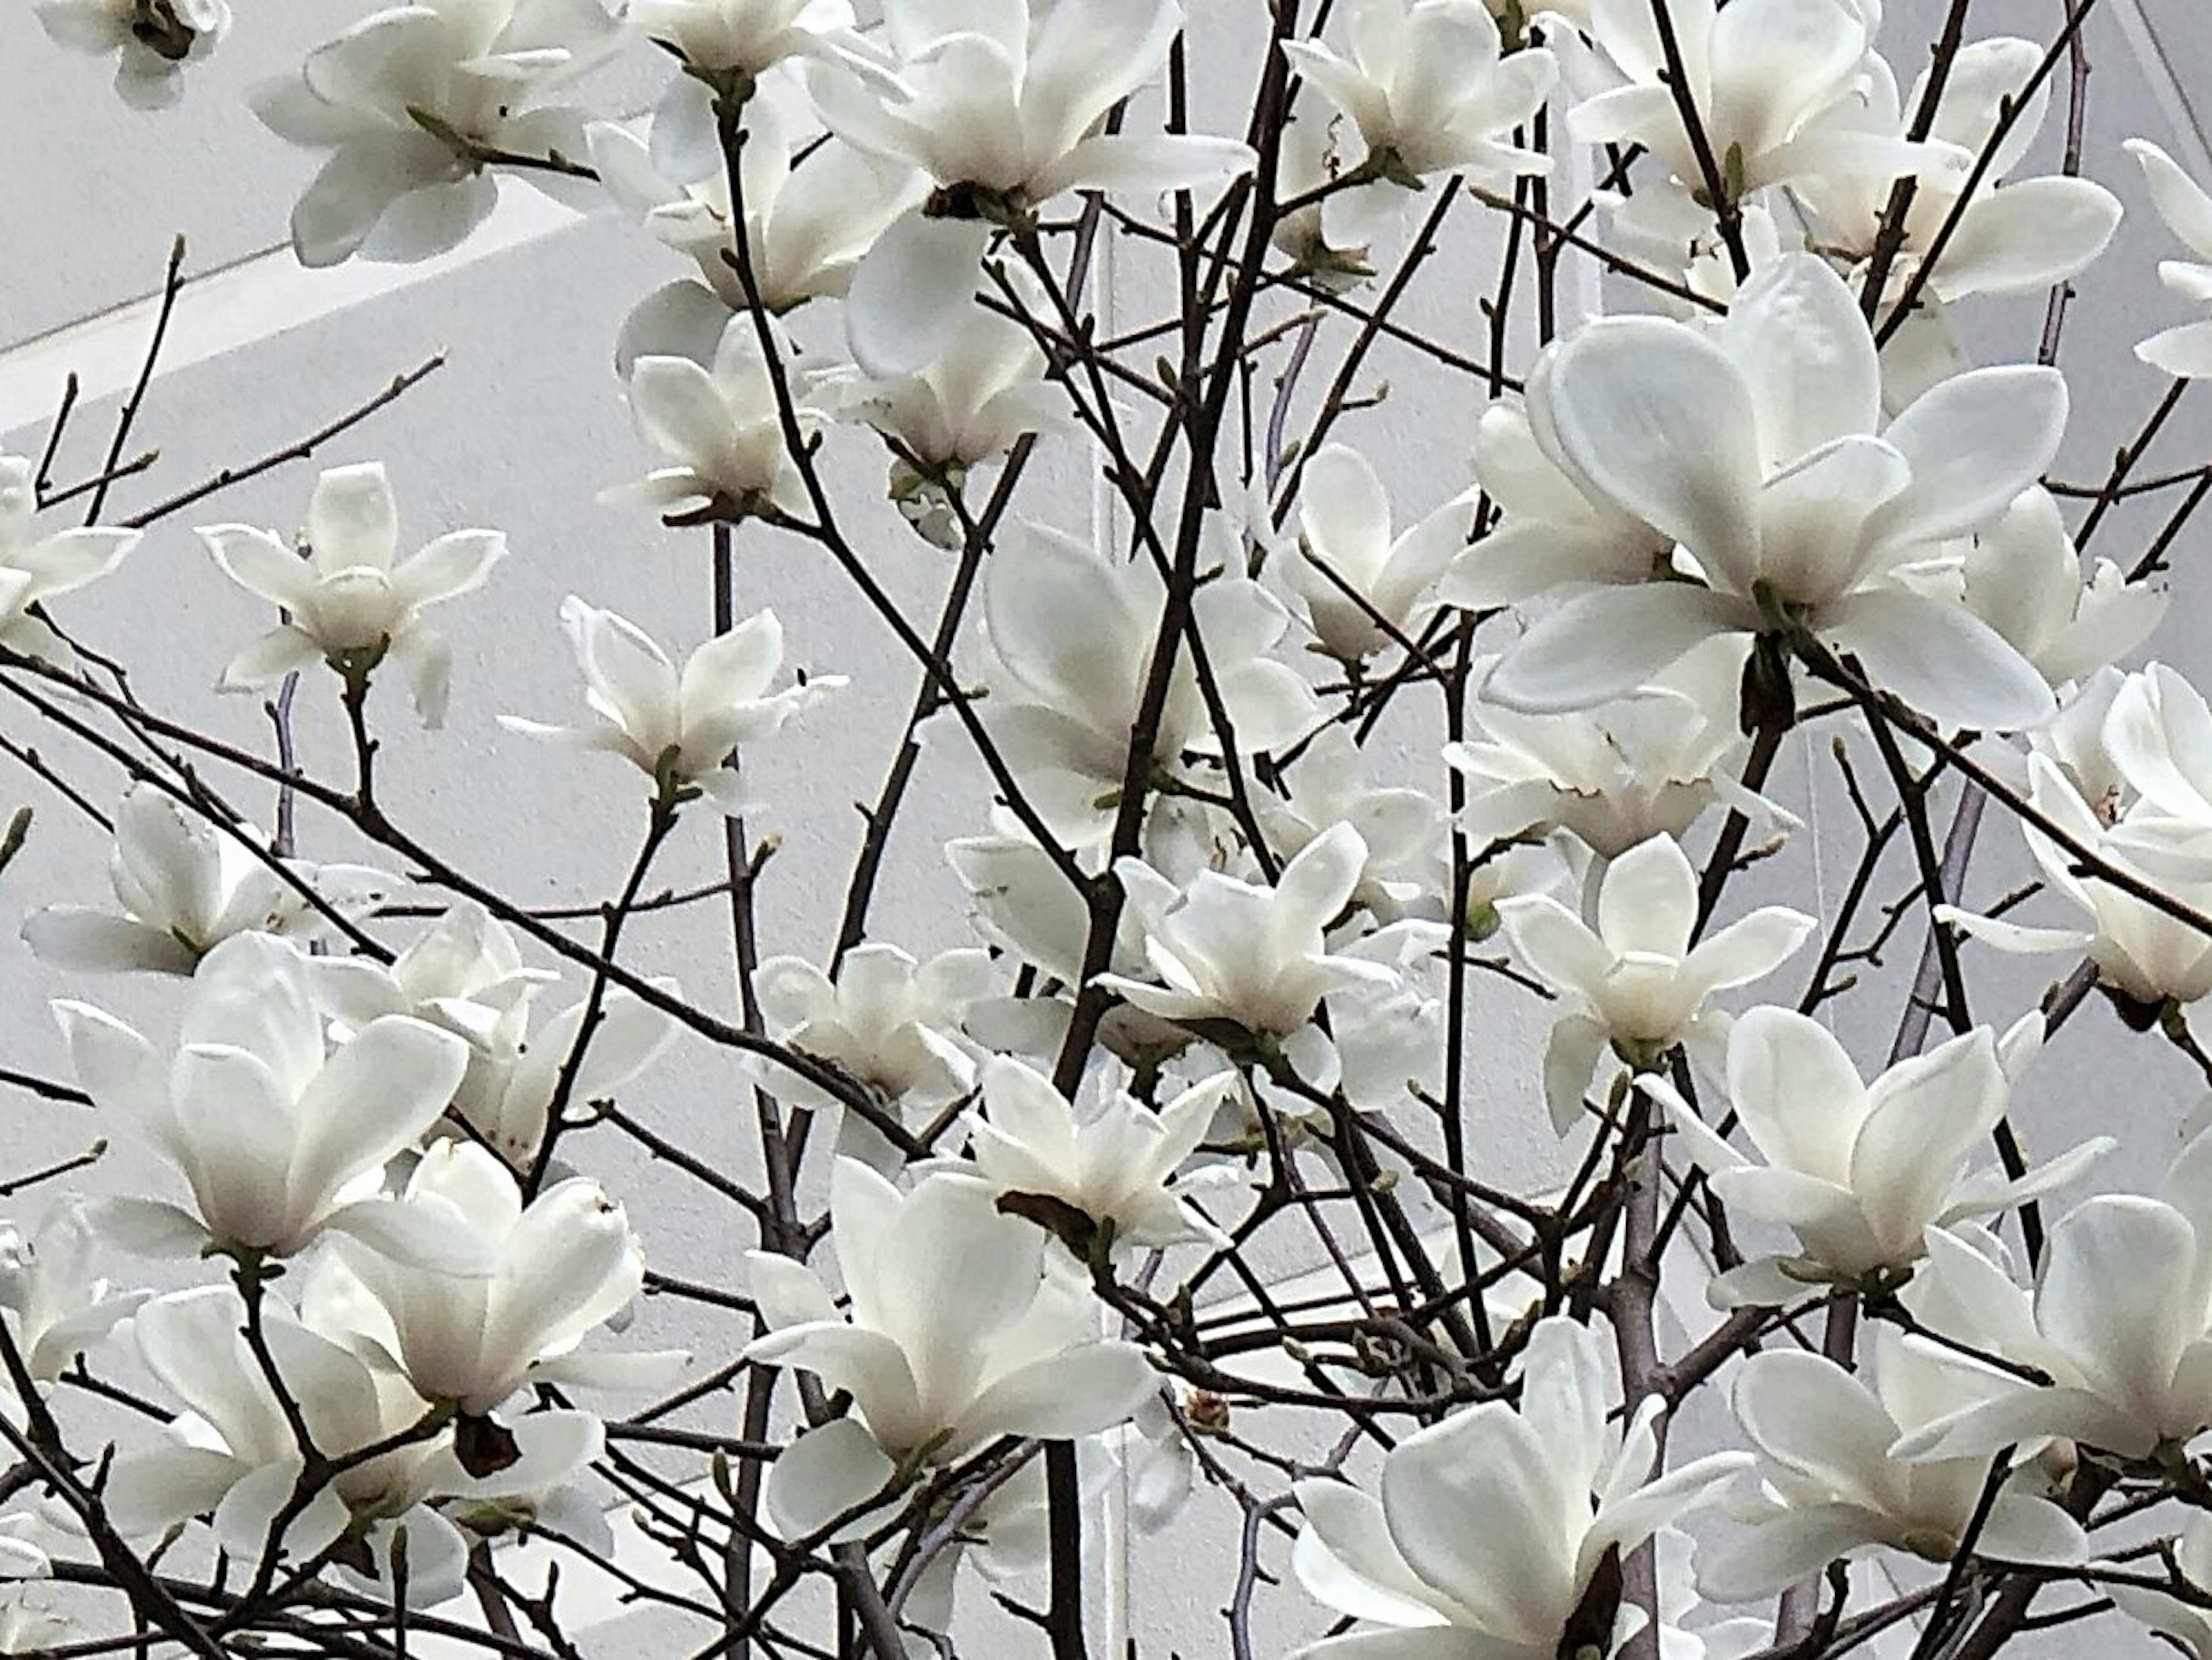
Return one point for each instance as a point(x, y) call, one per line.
point(1293, 794)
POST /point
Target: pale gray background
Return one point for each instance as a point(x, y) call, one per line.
point(527, 424)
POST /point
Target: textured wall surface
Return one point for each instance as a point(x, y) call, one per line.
point(526, 425)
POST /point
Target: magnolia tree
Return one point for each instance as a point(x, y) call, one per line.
point(1284, 782)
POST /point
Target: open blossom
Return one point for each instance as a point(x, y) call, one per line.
point(997, 107)
point(679, 726)
point(957, 1330)
point(1758, 445)
point(2025, 578)
point(186, 886)
point(2008, 236)
point(561, 1266)
point(1404, 830)
point(1110, 1156)
point(278, 1138)
point(813, 206)
point(233, 1450)
point(52, 1305)
point(151, 44)
point(34, 568)
point(1859, 1171)
point(1493, 1524)
point(2118, 1323)
point(413, 102)
point(1756, 75)
point(744, 37)
point(982, 391)
point(2140, 952)
point(1249, 954)
point(1635, 984)
point(1346, 549)
point(890, 1023)
point(1650, 763)
point(1416, 117)
point(464, 975)
point(348, 602)
point(2185, 351)
point(1067, 637)
point(1832, 1490)
point(719, 424)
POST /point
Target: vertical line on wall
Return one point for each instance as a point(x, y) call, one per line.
point(2165, 85)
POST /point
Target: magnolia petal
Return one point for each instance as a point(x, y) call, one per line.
point(147, 1227)
point(1795, 1545)
point(1344, 1557)
point(2026, 236)
point(910, 292)
point(1660, 421)
point(1145, 164)
point(1943, 661)
point(831, 1472)
point(100, 942)
point(2184, 352)
point(2180, 201)
point(1606, 642)
point(1078, 1391)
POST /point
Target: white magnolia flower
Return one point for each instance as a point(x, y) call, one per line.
point(1859, 1171)
point(1755, 445)
point(151, 42)
point(2014, 235)
point(1430, 90)
point(744, 37)
point(1647, 764)
point(982, 391)
point(1833, 1490)
point(809, 216)
point(2118, 1322)
point(1248, 954)
point(1345, 549)
point(1756, 75)
point(1635, 984)
point(2025, 578)
point(719, 424)
point(347, 601)
point(1330, 240)
point(278, 1138)
point(464, 973)
point(185, 887)
point(1493, 1524)
point(997, 105)
point(561, 1266)
point(2157, 731)
point(233, 1451)
point(2146, 955)
point(1108, 1156)
point(679, 726)
point(415, 103)
point(1067, 641)
point(2073, 741)
point(52, 1304)
point(958, 1330)
point(34, 569)
point(2186, 352)
point(1403, 829)
point(891, 1024)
